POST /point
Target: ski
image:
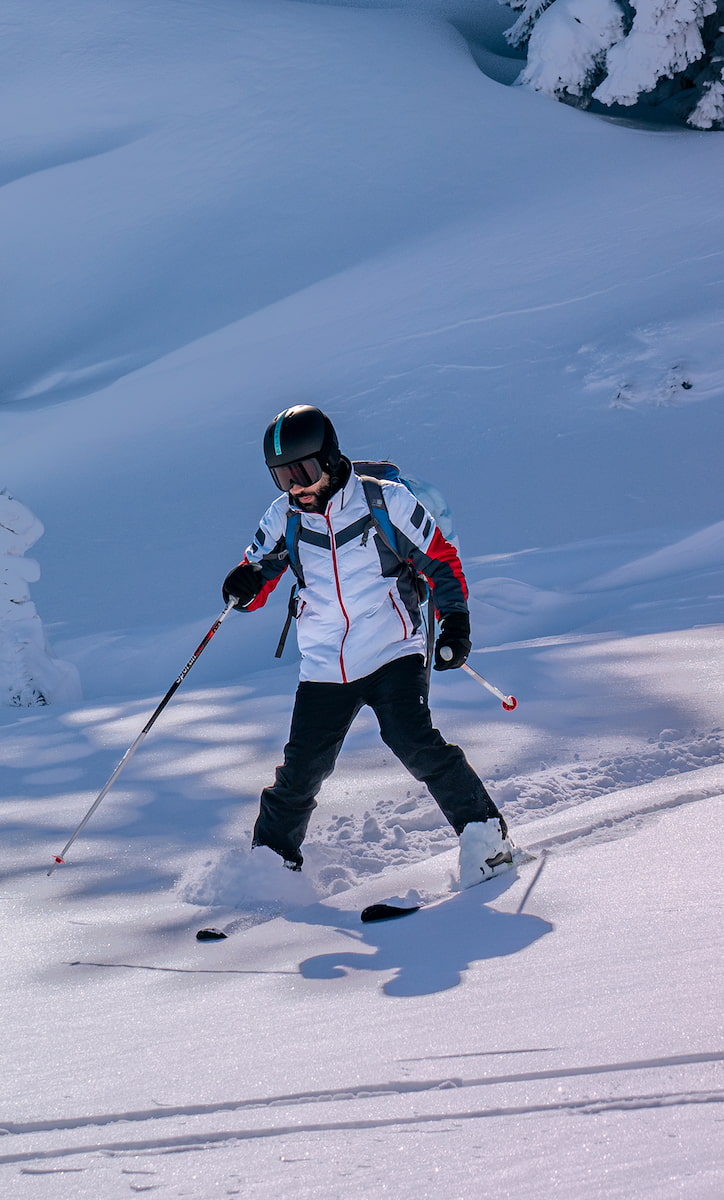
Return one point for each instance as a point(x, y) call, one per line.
point(238, 921)
point(388, 912)
point(381, 911)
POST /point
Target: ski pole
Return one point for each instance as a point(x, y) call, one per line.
point(508, 702)
point(58, 859)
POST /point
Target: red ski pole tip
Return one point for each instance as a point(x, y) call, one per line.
point(510, 704)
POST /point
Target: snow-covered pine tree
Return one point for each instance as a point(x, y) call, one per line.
point(664, 39)
point(708, 113)
point(29, 674)
point(616, 52)
point(530, 12)
point(568, 45)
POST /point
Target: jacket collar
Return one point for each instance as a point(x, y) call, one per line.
point(338, 502)
point(341, 499)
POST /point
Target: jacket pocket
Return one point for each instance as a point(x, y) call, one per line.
point(403, 622)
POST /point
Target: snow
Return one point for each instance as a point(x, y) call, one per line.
point(213, 211)
point(29, 674)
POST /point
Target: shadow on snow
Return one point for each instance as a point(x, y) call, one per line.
point(430, 950)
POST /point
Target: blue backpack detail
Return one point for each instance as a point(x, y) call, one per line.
point(429, 496)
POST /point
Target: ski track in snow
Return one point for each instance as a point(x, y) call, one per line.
point(207, 1140)
point(385, 1094)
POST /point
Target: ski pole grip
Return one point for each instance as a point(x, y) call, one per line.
point(234, 602)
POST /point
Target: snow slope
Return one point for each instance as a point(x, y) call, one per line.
point(211, 212)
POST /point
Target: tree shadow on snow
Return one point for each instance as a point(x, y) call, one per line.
point(430, 950)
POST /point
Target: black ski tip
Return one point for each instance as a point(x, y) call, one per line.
point(210, 935)
point(384, 912)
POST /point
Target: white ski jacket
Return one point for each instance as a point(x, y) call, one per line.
point(358, 606)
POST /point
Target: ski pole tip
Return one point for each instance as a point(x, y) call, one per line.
point(510, 704)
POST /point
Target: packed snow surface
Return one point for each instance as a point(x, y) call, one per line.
point(211, 212)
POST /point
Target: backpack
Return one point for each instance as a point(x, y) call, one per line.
point(370, 474)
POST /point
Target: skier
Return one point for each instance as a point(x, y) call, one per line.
point(359, 634)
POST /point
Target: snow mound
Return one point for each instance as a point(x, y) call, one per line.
point(671, 754)
point(241, 878)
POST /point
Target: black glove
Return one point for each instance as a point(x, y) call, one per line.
point(454, 637)
point(244, 582)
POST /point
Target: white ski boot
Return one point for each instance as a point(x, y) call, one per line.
point(484, 851)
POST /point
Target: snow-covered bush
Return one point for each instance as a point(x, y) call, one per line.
point(621, 52)
point(29, 674)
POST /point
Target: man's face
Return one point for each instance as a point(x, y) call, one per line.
point(314, 496)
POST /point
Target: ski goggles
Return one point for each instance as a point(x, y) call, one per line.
point(304, 473)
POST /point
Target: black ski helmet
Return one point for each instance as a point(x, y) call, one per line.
point(300, 434)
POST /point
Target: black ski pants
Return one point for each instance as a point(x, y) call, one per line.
point(323, 713)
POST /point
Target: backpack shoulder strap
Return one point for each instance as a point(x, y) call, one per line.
point(378, 511)
point(291, 614)
point(291, 539)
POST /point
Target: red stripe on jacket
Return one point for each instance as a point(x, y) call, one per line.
point(265, 590)
point(443, 551)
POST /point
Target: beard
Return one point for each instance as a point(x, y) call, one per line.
point(316, 503)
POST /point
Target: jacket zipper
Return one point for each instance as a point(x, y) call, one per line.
point(339, 596)
point(402, 619)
